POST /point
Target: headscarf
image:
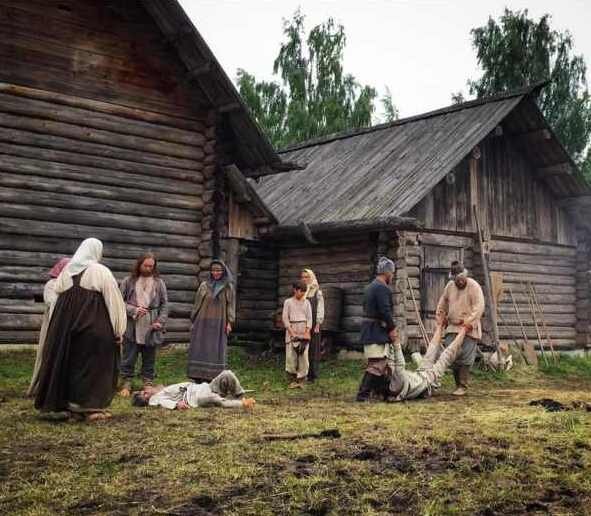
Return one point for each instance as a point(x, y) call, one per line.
point(218, 285)
point(227, 385)
point(59, 267)
point(385, 265)
point(313, 287)
point(90, 251)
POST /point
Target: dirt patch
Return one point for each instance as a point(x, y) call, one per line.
point(433, 458)
point(549, 405)
point(559, 500)
point(131, 458)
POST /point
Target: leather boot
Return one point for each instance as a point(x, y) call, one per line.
point(379, 386)
point(462, 376)
point(365, 388)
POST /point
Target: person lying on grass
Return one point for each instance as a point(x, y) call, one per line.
point(223, 391)
point(407, 385)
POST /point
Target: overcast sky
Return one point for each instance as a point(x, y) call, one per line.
point(420, 49)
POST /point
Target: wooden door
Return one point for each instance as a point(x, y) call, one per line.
point(436, 262)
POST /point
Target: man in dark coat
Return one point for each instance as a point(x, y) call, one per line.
point(377, 330)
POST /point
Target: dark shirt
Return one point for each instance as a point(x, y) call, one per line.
point(377, 313)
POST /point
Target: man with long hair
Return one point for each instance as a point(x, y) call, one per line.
point(146, 301)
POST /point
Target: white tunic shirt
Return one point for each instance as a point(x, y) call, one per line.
point(194, 394)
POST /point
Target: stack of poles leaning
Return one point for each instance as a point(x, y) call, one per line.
point(95, 331)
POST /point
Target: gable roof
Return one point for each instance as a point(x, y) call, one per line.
point(257, 154)
point(385, 170)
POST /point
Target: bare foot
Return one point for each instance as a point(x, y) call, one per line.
point(98, 416)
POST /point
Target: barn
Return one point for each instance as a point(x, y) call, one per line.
point(412, 190)
point(117, 121)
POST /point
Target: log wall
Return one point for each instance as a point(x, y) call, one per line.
point(348, 265)
point(583, 291)
point(258, 281)
point(533, 239)
point(551, 269)
point(512, 202)
point(100, 135)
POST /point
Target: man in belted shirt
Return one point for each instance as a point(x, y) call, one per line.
point(461, 306)
point(378, 330)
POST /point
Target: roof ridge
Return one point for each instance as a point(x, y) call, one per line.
point(524, 91)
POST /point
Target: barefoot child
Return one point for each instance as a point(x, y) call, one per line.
point(297, 318)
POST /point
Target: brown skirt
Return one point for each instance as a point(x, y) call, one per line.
point(81, 358)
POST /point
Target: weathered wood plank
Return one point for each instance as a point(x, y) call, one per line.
point(15, 191)
point(65, 246)
point(57, 159)
point(531, 259)
point(19, 337)
point(105, 221)
point(25, 135)
point(36, 228)
point(100, 115)
point(530, 248)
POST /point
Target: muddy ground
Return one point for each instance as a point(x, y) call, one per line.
point(490, 453)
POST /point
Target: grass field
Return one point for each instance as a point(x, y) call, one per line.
point(490, 453)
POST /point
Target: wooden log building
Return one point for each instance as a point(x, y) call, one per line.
point(407, 190)
point(117, 122)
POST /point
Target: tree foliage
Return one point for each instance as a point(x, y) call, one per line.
point(314, 95)
point(517, 50)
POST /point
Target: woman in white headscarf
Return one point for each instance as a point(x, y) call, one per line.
point(314, 295)
point(81, 354)
point(49, 298)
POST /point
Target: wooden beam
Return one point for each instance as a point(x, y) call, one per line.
point(535, 134)
point(198, 71)
point(227, 108)
point(175, 38)
point(337, 229)
point(554, 170)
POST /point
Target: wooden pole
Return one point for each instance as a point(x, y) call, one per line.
point(489, 297)
point(418, 314)
point(540, 310)
point(529, 352)
point(535, 320)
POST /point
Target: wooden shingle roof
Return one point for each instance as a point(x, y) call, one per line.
point(385, 170)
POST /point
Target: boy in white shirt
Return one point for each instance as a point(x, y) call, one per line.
point(297, 319)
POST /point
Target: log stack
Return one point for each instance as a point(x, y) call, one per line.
point(73, 168)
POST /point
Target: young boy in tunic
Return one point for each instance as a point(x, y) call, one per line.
point(297, 319)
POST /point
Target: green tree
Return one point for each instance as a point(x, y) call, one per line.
point(517, 50)
point(314, 96)
point(390, 109)
point(458, 97)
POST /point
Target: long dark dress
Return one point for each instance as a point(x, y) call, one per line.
point(207, 356)
point(315, 351)
point(81, 359)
